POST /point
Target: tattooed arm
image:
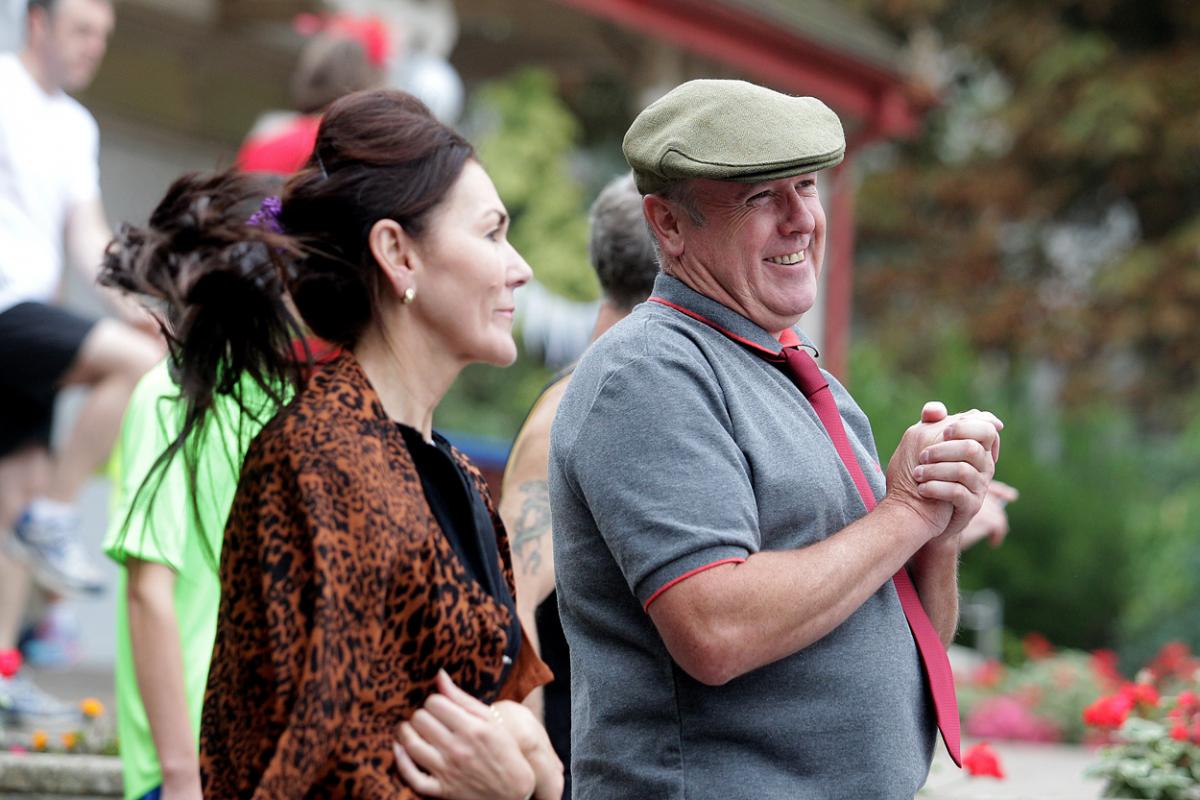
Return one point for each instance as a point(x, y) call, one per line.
point(525, 509)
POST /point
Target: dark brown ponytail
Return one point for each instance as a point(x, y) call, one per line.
point(218, 283)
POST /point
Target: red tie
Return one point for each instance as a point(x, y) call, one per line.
point(807, 376)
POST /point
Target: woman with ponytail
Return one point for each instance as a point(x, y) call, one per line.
point(365, 578)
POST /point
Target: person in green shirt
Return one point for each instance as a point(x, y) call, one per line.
point(168, 547)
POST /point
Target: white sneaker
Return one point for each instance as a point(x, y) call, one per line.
point(46, 538)
point(23, 699)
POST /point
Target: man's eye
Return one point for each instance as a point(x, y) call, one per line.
point(760, 196)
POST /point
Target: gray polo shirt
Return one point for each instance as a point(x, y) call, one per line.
point(676, 447)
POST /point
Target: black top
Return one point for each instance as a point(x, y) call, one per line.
point(556, 695)
point(464, 519)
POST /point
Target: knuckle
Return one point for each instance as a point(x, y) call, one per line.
point(458, 753)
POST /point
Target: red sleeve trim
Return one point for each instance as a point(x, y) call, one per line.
point(689, 574)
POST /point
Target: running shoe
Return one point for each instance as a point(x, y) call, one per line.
point(24, 700)
point(46, 538)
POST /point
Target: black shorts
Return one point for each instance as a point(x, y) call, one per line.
point(38, 345)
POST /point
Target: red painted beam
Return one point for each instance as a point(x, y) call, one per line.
point(769, 53)
point(839, 270)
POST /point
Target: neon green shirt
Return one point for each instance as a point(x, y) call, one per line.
point(165, 531)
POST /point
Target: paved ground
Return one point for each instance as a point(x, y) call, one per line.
point(1032, 772)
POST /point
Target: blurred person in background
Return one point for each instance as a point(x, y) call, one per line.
point(344, 56)
point(622, 254)
point(364, 572)
point(165, 534)
point(51, 213)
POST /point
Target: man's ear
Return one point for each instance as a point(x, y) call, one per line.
point(37, 22)
point(664, 224)
point(395, 253)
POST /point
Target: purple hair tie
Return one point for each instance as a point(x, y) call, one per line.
point(267, 215)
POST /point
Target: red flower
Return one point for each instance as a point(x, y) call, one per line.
point(1173, 660)
point(1141, 693)
point(1187, 699)
point(10, 662)
point(1179, 733)
point(1104, 665)
point(988, 675)
point(1036, 646)
point(1109, 712)
point(980, 760)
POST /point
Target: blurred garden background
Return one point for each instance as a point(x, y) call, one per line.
point(1030, 243)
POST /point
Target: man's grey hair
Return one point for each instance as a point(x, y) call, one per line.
point(681, 194)
point(622, 250)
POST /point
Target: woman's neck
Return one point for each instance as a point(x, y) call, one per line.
point(409, 374)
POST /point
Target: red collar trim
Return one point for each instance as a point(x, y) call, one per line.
point(716, 327)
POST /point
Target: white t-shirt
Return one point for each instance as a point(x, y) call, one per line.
point(49, 146)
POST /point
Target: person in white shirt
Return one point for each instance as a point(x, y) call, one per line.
point(51, 214)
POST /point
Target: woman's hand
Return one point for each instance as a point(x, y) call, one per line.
point(531, 737)
point(459, 748)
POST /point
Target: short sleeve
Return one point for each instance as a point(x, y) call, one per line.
point(655, 462)
point(84, 185)
point(149, 525)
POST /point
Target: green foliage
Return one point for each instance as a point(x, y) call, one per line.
point(1063, 569)
point(1148, 763)
point(1103, 549)
point(1165, 560)
point(526, 141)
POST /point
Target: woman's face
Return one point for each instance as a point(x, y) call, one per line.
point(465, 289)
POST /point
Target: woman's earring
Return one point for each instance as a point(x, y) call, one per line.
point(410, 294)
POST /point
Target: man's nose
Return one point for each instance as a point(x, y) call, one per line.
point(799, 217)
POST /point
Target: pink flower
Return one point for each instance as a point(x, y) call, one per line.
point(981, 760)
point(1007, 717)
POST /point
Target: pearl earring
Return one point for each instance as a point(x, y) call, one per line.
point(410, 294)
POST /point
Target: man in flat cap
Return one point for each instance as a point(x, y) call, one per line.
point(752, 609)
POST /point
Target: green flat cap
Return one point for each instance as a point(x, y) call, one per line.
point(732, 131)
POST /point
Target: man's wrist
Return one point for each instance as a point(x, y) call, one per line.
point(913, 528)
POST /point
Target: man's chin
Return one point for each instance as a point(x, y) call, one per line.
point(78, 82)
